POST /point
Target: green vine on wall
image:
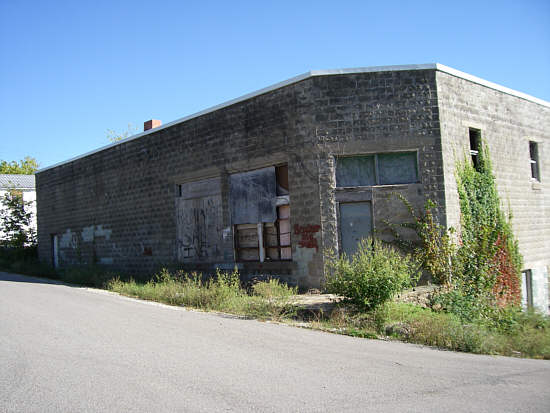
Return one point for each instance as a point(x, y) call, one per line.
point(434, 249)
point(488, 254)
point(480, 266)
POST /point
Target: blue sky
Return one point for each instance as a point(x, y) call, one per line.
point(71, 70)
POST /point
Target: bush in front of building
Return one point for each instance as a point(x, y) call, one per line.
point(371, 276)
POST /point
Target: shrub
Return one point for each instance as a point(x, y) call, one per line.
point(434, 249)
point(372, 276)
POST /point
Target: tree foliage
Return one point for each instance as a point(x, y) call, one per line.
point(16, 221)
point(27, 166)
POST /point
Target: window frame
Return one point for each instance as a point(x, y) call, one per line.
point(527, 283)
point(534, 161)
point(474, 135)
point(376, 167)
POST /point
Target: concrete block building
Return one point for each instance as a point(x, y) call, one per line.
point(269, 181)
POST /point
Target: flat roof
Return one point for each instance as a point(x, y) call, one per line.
point(310, 74)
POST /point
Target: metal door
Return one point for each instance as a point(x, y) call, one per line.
point(355, 224)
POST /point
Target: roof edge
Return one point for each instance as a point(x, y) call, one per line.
point(491, 85)
point(307, 75)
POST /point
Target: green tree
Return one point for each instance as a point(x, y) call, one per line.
point(16, 230)
point(27, 166)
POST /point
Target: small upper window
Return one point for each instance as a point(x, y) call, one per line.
point(397, 168)
point(391, 168)
point(475, 142)
point(355, 171)
point(534, 159)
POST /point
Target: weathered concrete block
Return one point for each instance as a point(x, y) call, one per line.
point(132, 191)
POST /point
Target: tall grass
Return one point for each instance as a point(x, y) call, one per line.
point(269, 299)
point(527, 334)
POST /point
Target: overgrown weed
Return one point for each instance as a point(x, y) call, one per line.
point(527, 336)
point(374, 274)
point(223, 292)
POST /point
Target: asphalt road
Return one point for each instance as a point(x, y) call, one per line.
point(68, 349)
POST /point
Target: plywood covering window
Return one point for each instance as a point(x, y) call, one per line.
point(391, 168)
point(199, 221)
point(260, 214)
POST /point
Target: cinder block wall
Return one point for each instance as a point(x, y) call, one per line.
point(377, 113)
point(117, 206)
point(507, 124)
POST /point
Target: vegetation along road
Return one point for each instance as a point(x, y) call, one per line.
point(65, 348)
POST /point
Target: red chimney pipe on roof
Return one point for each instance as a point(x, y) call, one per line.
point(150, 124)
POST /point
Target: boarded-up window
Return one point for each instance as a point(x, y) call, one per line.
point(277, 236)
point(378, 169)
point(199, 221)
point(268, 241)
point(246, 242)
point(253, 196)
point(260, 236)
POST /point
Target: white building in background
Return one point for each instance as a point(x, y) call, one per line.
point(23, 184)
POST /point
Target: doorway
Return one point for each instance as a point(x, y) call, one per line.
point(355, 224)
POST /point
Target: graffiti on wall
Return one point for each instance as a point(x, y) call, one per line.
point(198, 227)
point(90, 245)
point(306, 235)
point(198, 220)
